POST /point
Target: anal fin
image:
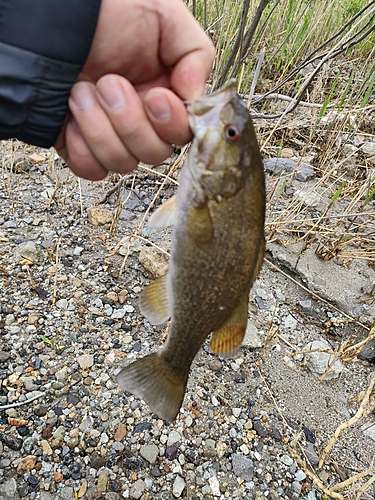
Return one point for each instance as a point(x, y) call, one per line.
point(228, 338)
point(154, 301)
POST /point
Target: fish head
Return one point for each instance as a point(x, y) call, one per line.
point(225, 145)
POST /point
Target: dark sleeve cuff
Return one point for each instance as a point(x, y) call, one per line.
point(34, 91)
point(43, 47)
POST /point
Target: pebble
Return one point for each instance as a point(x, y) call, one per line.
point(173, 438)
point(178, 487)
point(85, 361)
point(317, 362)
point(4, 356)
point(149, 453)
point(137, 489)
point(286, 459)
point(242, 467)
point(279, 166)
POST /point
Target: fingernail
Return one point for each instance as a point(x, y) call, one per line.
point(111, 92)
point(159, 107)
point(83, 95)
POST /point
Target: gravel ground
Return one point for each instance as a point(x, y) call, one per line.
point(68, 321)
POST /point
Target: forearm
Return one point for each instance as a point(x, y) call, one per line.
point(43, 47)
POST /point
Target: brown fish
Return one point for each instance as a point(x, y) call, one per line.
point(216, 252)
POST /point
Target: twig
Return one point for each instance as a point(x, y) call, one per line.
point(348, 423)
point(112, 190)
point(15, 405)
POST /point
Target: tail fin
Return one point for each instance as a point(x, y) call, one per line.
point(151, 379)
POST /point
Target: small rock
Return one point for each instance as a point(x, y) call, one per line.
point(300, 475)
point(85, 361)
point(120, 432)
point(252, 338)
point(149, 452)
point(308, 198)
point(62, 304)
point(29, 250)
point(215, 486)
point(137, 489)
point(368, 148)
point(178, 487)
point(154, 261)
point(305, 173)
point(279, 166)
point(221, 448)
point(4, 356)
point(103, 480)
point(9, 488)
point(367, 353)
point(215, 365)
point(290, 322)
point(370, 432)
point(242, 467)
point(26, 464)
point(97, 461)
point(260, 429)
point(82, 490)
point(58, 477)
point(317, 362)
point(13, 442)
point(306, 306)
point(99, 216)
point(287, 460)
point(173, 438)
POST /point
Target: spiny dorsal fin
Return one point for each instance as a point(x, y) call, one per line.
point(151, 379)
point(154, 301)
point(229, 337)
point(164, 215)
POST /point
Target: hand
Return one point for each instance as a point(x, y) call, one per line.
point(126, 107)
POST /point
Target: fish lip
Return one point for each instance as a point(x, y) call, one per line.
point(201, 105)
point(205, 110)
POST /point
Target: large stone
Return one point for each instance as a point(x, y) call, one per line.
point(279, 166)
point(103, 480)
point(178, 487)
point(317, 362)
point(26, 464)
point(137, 489)
point(149, 452)
point(252, 338)
point(242, 467)
point(29, 250)
point(154, 261)
point(99, 216)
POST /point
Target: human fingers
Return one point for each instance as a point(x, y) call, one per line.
point(126, 112)
point(168, 116)
point(78, 155)
point(97, 134)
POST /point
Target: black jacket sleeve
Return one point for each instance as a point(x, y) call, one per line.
point(43, 46)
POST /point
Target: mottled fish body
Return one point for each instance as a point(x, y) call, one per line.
point(217, 250)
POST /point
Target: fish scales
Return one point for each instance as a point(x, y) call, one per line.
point(217, 250)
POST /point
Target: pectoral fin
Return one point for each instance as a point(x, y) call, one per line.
point(164, 215)
point(229, 337)
point(154, 301)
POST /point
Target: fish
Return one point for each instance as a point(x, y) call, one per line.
point(217, 250)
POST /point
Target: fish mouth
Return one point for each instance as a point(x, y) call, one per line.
point(205, 110)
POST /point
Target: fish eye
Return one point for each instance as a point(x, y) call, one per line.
point(232, 133)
